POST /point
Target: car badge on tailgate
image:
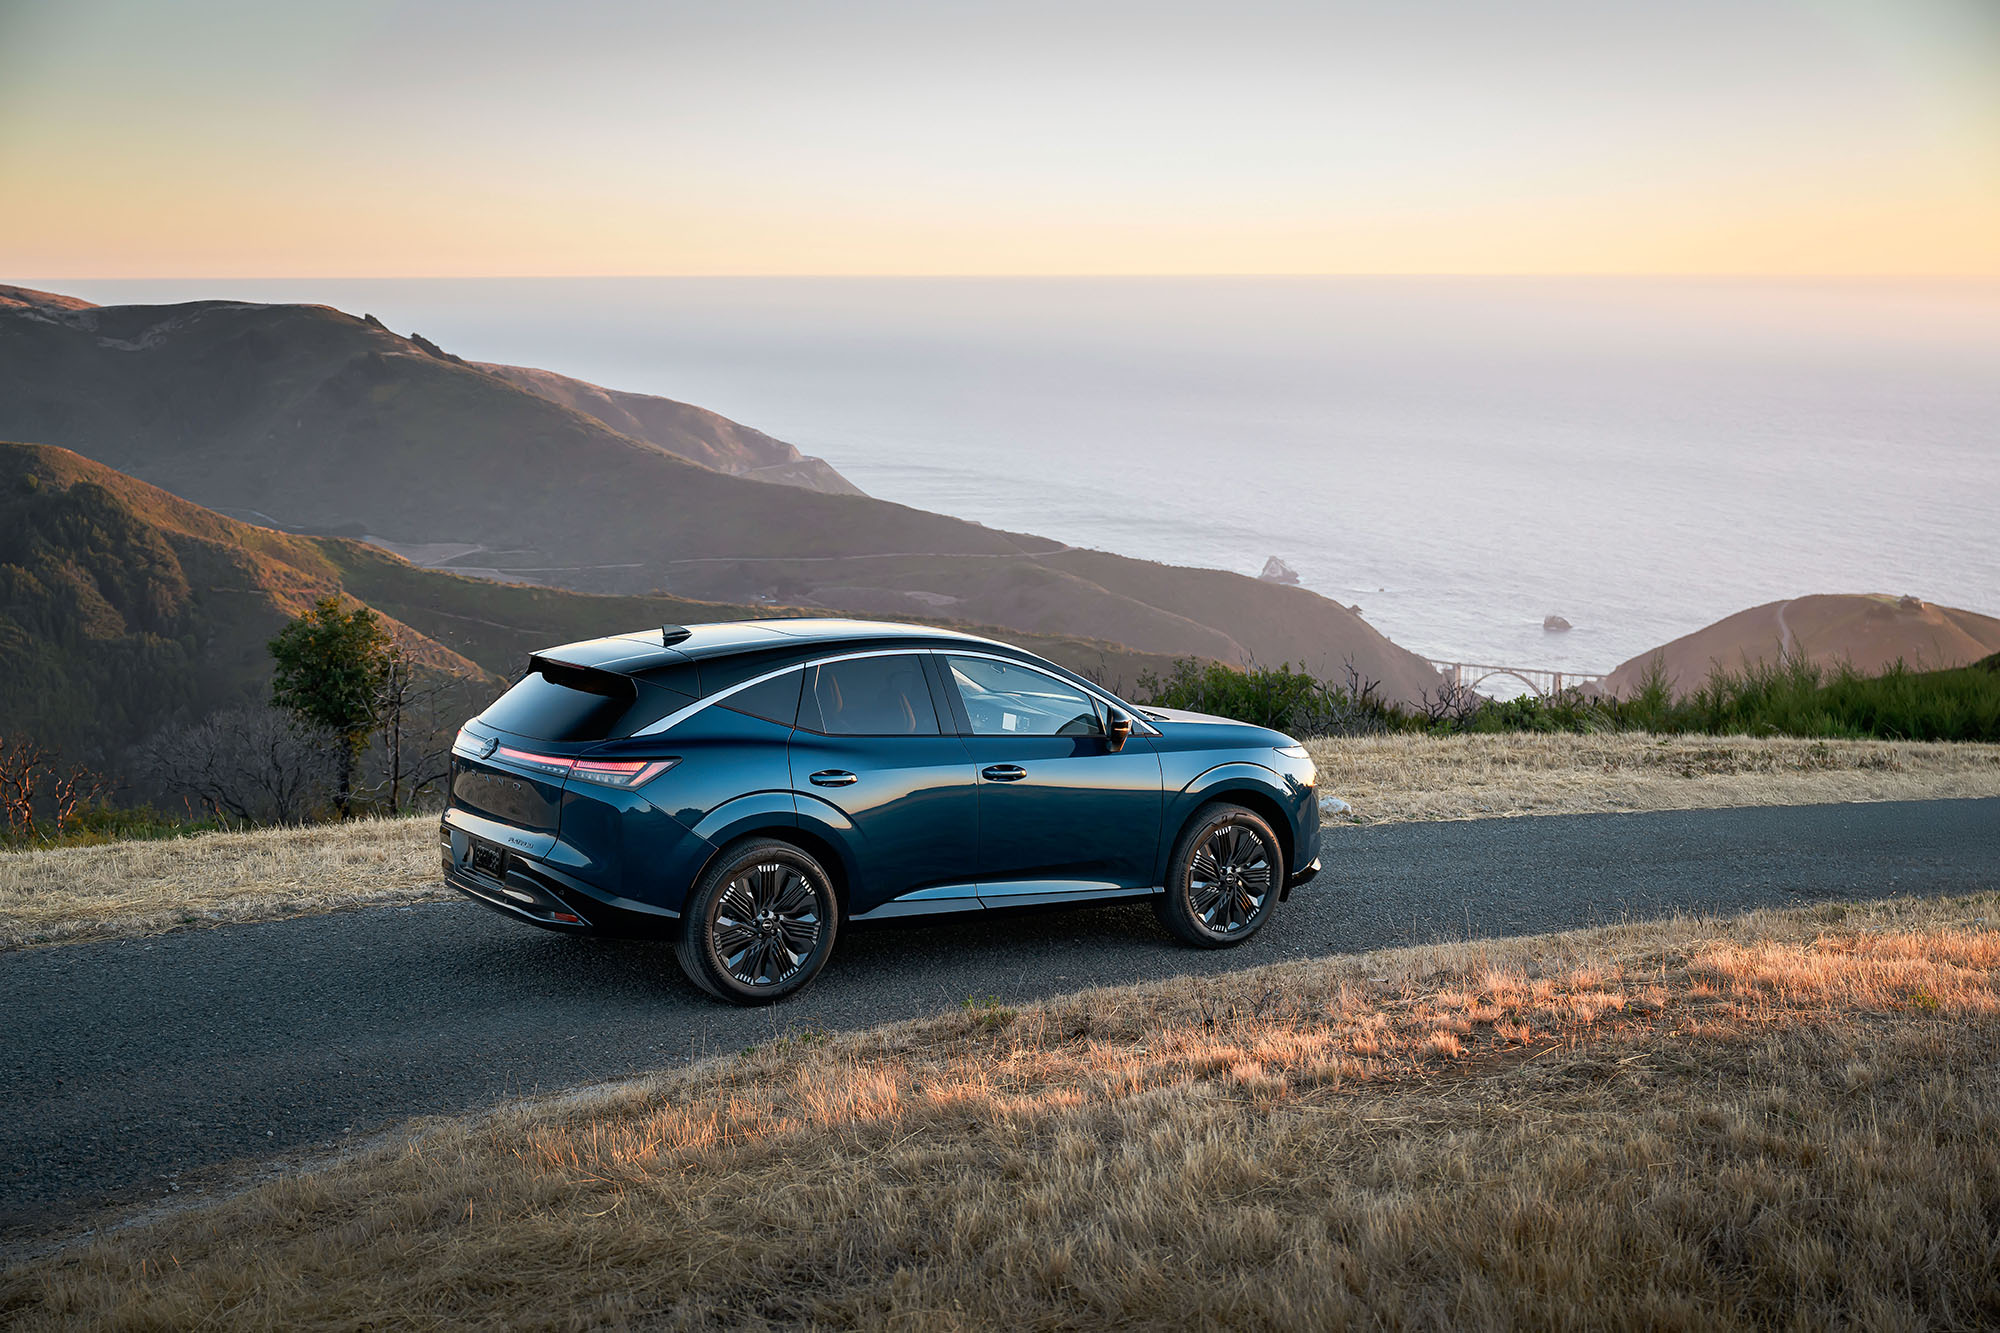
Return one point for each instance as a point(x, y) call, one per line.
point(488, 746)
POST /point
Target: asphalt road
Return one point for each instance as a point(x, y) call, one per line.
point(128, 1068)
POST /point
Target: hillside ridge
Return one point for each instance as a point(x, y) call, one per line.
point(1868, 631)
point(124, 608)
point(314, 420)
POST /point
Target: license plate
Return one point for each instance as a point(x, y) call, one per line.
point(489, 860)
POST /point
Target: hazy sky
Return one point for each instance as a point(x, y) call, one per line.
point(362, 137)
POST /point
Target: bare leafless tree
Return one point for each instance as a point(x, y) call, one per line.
point(1352, 708)
point(1451, 702)
point(420, 710)
point(254, 765)
point(71, 789)
point(24, 766)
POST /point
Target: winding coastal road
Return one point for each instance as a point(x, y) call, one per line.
point(127, 1069)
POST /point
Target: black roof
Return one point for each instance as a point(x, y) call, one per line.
point(717, 655)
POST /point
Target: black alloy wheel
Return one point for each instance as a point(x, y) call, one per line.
point(1223, 879)
point(760, 923)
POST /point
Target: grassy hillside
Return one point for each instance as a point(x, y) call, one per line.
point(307, 418)
point(1868, 632)
point(123, 607)
point(498, 624)
point(692, 432)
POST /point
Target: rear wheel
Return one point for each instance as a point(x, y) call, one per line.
point(1223, 878)
point(759, 924)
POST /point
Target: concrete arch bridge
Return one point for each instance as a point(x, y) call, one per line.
point(1538, 681)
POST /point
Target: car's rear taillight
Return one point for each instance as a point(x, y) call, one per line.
point(605, 772)
point(554, 765)
point(621, 772)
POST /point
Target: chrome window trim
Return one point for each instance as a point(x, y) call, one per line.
point(1140, 726)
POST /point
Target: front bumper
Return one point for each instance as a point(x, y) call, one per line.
point(1300, 876)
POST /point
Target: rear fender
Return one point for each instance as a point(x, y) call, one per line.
point(831, 826)
point(747, 814)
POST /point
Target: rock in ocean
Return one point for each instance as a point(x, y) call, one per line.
point(1277, 571)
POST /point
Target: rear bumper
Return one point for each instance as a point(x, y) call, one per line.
point(530, 889)
point(1300, 876)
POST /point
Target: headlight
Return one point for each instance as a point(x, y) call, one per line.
point(1293, 751)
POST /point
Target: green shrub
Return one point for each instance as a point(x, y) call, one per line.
point(1285, 699)
point(1786, 698)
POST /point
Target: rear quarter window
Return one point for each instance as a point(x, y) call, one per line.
point(774, 700)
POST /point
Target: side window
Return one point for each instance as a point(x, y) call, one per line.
point(870, 696)
point(1010, 699)
point(776, 700)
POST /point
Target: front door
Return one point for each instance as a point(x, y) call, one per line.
point(869, 758)
point(1060, 814)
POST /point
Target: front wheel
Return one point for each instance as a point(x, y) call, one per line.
point(759, 924)
point(1223, 877)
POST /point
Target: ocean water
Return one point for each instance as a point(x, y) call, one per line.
point(1459, 457)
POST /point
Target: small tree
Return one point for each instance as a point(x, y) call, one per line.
point(330, 666)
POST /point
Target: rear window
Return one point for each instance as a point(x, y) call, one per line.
point(557, 703)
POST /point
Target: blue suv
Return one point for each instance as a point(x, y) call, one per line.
point(747, 788)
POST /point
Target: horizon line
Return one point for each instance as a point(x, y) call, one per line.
point(1720, 275)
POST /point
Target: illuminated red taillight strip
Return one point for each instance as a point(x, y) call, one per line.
point(547, 763)
point(621, 772)
point(605, 772)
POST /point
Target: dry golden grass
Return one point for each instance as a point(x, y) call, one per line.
point(138, 888)
point(141, 887)
point(1391, 779)
point(1782, 1120)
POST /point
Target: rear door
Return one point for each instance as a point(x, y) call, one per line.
point(871, 759)
point(1060, 813)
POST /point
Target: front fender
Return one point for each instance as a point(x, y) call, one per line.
point(1234, 772)
point(1296, 802)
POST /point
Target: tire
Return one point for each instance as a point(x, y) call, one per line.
point(1199, 905)
point(774, 901)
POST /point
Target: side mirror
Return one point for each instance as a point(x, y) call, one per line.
point(1117, 730)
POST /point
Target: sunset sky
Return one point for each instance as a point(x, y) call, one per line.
point(357, 138)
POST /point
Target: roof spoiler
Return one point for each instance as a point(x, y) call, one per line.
point(591, 680)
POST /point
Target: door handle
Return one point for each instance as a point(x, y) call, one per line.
point(1003, 773)
point(832, 777)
